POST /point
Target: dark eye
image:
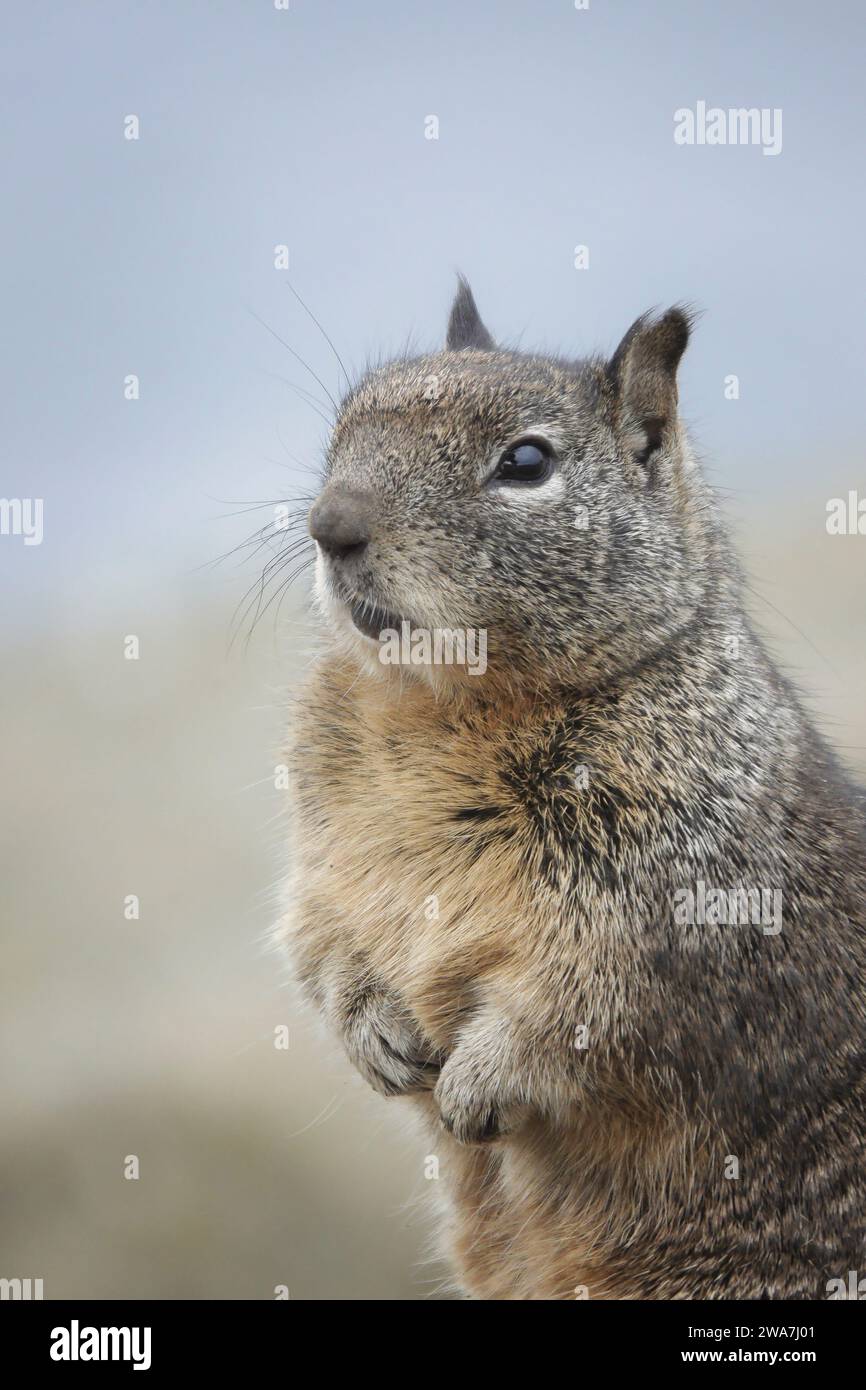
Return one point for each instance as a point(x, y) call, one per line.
point(528, 462)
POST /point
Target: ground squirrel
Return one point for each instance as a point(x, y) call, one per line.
point(598, 908)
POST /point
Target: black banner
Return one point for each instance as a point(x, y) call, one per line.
point(159, 1338)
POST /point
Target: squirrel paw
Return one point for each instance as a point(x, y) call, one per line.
point(472, 1094)
point(382, 1041)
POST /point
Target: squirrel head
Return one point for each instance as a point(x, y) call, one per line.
point(553, 506)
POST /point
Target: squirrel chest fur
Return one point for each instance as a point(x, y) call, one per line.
point(597, 911)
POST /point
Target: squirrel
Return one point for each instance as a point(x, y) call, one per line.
point(597, 910)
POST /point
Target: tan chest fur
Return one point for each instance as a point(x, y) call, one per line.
point(396, 855)
point(395, 860)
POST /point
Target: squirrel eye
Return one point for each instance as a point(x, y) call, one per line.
point(528, 462)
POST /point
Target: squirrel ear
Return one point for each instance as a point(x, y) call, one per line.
point(465, 329)
point(643, 372)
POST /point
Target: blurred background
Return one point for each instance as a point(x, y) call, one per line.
point(305, 128)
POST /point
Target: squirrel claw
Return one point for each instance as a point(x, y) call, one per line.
point(473, 1126)
point(384, 1044)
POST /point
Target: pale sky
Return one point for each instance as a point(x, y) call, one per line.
point(260, 127)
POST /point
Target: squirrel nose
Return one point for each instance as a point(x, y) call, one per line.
point(341, 520)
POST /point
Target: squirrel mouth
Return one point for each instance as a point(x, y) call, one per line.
point(372, 620)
